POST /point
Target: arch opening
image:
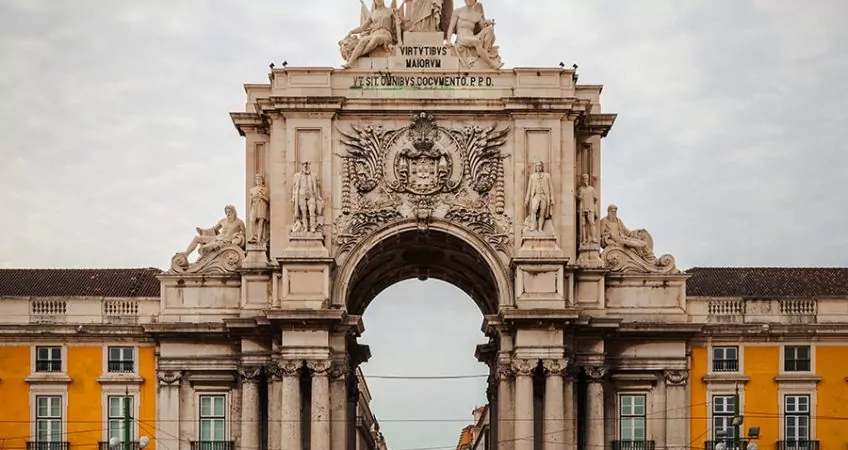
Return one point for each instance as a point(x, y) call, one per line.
point(410, 253)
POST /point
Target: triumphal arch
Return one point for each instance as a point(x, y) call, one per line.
point(422, 156)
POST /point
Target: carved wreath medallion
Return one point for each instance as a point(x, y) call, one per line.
point(422, 171)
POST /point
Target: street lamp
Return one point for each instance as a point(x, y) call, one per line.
point(753, 432)
point(115, 442)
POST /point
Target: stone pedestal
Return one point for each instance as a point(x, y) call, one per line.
point(249, 407)
point(289, 403)
point(320, 426)
point(257, 256)
point(554, 426)
point(595, 407)
point(589, 256)
point(306, 245)
point(524, 436)
point(539, 246)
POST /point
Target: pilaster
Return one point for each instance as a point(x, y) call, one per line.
point(168, 409)
point(289, 402)
point(676, 399)
point(320, 429)
point(596, 377)
point(249, 436)
point(554, 427)
point(524, 435)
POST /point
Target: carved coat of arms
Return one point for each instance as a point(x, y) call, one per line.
point(420, 171)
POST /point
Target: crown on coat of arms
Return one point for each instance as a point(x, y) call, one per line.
point(423, 132)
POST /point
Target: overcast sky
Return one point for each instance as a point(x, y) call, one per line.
point(729, 147)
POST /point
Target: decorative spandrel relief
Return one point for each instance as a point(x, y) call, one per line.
point(628, 250)
point(221, 247)
point(423, 171)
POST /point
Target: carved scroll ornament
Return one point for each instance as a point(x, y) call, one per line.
point(423, 171)
point(628, 250)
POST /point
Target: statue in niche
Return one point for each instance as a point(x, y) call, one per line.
point(307, 201)
point(259, 210)
point(228, 231)
point(380, 31)
point(475, 36)
point(539, 200)
point(427, 15)
point(589, 209)
point(613, 232)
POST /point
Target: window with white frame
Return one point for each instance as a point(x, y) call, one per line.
point(631, 417)
point(48, 359)
point(213, 418)
point(725, 359)
point(796, 358)
point(121, 360)
point(48, 418)
point(796, 417)
point(723, 412)
point(118, 407)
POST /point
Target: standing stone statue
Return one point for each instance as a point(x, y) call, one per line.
point(539, 199)
point(427, 15)
point(307, 201)
point(259, 210)
point(228, 231)
point(589, 210)
point(614, 233)
point(475, 36)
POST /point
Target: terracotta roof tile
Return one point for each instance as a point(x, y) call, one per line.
point(79, 282)
point(767, 282)
point(465, 438)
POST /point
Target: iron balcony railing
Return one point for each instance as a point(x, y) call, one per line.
point(711, 445)
point(104, 445)
point(121, 366)
point(213, 445)
point(725, 365)
point(35, 445)
point(633, 445)
point(805, 444)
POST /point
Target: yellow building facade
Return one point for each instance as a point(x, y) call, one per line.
point(779, 336)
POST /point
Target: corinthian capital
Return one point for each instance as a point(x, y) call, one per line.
point(523, 367)
point(169, 377)
point(503, 371)
point(274, 372)
point(554, 367)
point(290, 367)
point(339, 369)
point(596, 373)
point(319, 367)
point(249, 374)
point(676, 377)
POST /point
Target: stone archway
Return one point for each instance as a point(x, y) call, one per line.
point(402, 251)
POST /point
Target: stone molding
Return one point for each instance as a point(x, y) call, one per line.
point(319, 367)
point(169, 377)
point(523, 367)
point(249, 374)
point(555, 367)
point(596, 374)
point(676, 377)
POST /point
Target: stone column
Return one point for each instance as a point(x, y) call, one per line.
point(168, 409)
point(338, 404)
point(677, 427)
point(568, 377)
point(289, 403)
point(553, 425)
point(320, 429)
point(595, 406)
point(524, 439)
point(506, 406)
point(249, 407)
point(275, 395)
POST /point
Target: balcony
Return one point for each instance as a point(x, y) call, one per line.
point(725, 365)
point(121, 366)
point(798, 445)
point(711, 445)
point(104, 445)
point(213, 445)
point(47, 445)
point(632, 445)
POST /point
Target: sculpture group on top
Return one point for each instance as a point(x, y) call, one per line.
point(382, 29)
point(423, 171)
